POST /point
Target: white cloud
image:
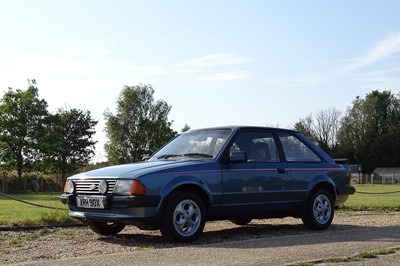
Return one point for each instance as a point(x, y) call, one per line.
point(200, 65)
point(35, 65)
point(227, 76)
point(160, 70)
point(387, 78)
point(300, 80)
point(216, 60)
point(382, 50)
point(151, 69)
point(76, 50)
point(308, 79)
point(42, 64)
point(101, 51)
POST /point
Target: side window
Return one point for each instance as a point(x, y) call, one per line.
point(259, 146)
point(297, 151)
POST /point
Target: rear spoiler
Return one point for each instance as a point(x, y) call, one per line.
point(341, 161)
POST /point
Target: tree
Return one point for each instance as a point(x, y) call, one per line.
point(139, 127)
point(322, 128)
point(185, 128)
point(21, 124)
point(369, 133)
point(68, 144)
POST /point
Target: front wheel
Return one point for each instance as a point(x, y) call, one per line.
point(319, 210)
point(106, 228)
point(184, 217)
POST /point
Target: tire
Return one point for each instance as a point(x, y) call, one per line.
point(184, 217)
point(106, 228)
point(319, 210)
point(241, 221)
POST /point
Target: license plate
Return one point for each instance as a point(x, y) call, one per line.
point(90, 202)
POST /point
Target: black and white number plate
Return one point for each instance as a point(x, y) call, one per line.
point(91, 202)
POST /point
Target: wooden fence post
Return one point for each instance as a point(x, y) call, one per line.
point(4, 183)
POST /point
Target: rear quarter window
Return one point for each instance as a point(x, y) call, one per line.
point(296, 151)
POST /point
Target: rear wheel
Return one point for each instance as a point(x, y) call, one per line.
point(319, 210)
point(106, 228)
point(184, 217)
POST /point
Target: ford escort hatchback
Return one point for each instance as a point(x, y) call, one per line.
point(228, 173)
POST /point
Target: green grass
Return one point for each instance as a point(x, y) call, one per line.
point(302, 264)
point(15, 213)
point(376, 253)
point(374, 202)
point(360, 257)
point(338, 260)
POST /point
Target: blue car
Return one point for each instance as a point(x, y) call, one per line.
point(235, 173)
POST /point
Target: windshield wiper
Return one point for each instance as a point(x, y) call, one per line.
point(198, 155)
point(166, 156)
point(195, 155)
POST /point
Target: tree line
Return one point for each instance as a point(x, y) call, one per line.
point(34, 139)
point(366, 134)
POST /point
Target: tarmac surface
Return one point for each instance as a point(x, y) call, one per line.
point(285, 250)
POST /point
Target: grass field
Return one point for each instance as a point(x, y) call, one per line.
point(14, 213)
point(386, 201)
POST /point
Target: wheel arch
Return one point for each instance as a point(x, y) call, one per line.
point(322, 182)
point(186, 184)
point(200, 191)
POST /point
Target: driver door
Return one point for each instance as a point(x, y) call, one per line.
point(261, 183)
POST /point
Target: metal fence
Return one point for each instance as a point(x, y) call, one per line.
point(34, 183)
point(381, 175)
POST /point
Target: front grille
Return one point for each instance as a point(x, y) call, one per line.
point(91, 186)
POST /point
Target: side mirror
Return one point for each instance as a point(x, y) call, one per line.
point(238, 157)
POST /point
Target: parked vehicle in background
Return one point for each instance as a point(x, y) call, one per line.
point(235, 173)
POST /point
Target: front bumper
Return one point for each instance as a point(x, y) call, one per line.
point(125, 209)
point(118, 201)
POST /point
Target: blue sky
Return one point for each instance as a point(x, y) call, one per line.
point(215, 62)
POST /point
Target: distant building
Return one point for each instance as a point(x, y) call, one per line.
point(386, 175)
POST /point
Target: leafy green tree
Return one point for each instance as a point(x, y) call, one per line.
point(68, 144)
point(139, 127)
point(21, 124)
point(369, 134)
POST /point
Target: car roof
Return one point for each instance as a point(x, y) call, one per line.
point(240, 127)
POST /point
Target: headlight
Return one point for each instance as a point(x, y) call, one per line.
point(103, 187)
point(122, 187)
point(69, 187)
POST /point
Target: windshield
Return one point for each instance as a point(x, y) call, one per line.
point(199, 144)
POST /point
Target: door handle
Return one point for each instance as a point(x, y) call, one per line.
point(281, 170)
